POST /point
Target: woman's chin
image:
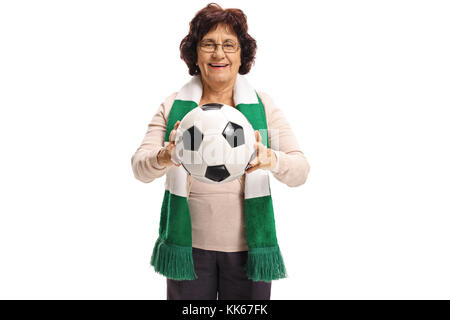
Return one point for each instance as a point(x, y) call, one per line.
point(220, 78)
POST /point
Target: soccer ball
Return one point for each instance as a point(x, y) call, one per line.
point(214, 143)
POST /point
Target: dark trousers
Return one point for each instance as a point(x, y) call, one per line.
point(221, 275)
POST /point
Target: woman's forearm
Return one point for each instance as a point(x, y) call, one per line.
point(145, 165)
point(293, 168)
point(144, 161)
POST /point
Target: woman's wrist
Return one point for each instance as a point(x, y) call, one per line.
point(275, 161)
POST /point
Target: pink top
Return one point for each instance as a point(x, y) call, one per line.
point(217, 210)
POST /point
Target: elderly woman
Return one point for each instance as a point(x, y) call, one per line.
point(218, 241)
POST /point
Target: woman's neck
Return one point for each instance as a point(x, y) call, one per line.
point(218, 93)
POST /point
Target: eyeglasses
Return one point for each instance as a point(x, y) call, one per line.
point(228, 46)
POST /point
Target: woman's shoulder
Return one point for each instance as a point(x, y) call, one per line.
point(168, 101)
point(264, 95)
point(274, 115)
point(267, 101)
point(166, 105)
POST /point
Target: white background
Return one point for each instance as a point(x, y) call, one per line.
point(364, 84)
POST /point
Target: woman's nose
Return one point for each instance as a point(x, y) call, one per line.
point(219, 52)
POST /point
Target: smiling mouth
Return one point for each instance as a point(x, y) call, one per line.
point(218, 65)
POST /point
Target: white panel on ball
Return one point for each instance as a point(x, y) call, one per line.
point(215, 149)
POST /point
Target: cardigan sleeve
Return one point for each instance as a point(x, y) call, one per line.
point(292, 167)
point(144, 162)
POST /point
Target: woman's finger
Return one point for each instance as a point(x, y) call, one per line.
point(255, 164)
point(173, 133)
point(257, 147)
point(252, 168)
point(257, 136)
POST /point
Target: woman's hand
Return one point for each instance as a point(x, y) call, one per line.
point(164, 157)
point(265, 157)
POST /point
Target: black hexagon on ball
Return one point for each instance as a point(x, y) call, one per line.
point(217, 173)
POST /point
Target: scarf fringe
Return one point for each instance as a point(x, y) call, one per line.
point(265, 264)
point(174, 262)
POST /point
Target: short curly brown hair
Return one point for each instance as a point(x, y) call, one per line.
point(209, 17)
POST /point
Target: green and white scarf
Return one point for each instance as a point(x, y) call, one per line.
point(172, 254)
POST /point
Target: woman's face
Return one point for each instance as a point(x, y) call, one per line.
point(219, 75)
